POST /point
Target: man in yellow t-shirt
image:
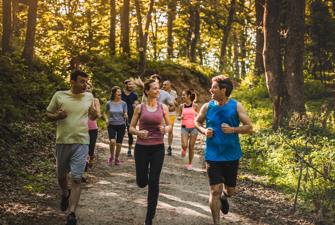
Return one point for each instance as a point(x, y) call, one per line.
point(172, 114)
point(71, 109)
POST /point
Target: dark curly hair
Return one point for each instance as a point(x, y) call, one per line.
point(113, 92)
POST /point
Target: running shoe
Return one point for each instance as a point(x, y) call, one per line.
point(84, 178)
point(65, 201)
point(169, 151)
point(224, 205)
point(190, 167)
point(183, 153)
point(129, 153)
point(117, 162)
point(90, 164)
point(71, 219)
point(110, 161)
point(148, 221)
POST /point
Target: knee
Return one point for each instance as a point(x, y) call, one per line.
point(230, 192)
point(184, 147)
point(76, 181)
point(113, 141)
point(119, 144)
point(216, 192)
point(61, 179)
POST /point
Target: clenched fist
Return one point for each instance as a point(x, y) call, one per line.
point(209, 132)
point(62, 114)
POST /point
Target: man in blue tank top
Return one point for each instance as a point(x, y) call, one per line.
point(223, 150)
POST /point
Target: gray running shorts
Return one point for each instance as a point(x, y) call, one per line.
point(189, 130)
point(71, 158)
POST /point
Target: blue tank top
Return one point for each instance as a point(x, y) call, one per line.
point(222, 147)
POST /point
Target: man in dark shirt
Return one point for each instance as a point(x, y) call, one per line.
point(131, 99)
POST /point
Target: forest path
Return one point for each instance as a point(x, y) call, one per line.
point(112, 197)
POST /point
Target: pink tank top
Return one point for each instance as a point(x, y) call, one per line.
point(151, 121)
point(92, 124)
point(189, 116)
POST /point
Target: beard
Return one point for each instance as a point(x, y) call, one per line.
point(129, 88)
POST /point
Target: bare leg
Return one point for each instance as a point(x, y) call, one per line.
point(118, 150)
point(75, 193)
point(170, 137)
point(214, 202)
point(63, 184)
point(229, 191)
point(193, 138)
point(184, 141)
point(112, 144)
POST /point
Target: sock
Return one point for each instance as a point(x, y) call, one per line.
point(72, 214)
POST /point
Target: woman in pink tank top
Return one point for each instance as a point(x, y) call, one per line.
point(187, 113)
point(93, 132)
point(149, 148)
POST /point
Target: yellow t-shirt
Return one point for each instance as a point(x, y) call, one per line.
point(73, 129)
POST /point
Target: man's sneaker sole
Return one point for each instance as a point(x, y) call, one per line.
point(65, 201)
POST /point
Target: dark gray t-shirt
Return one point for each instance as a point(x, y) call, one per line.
point(116, 112)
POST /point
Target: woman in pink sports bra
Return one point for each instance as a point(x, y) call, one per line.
point(187, 113)
point(149, 148)
point(93, 132)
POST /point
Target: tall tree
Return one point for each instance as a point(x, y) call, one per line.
point(235, 41)
point(226, 33)
point(143, 36)
point(28, 51)
point(16, 21)
point(259, 65)
point(273, 61)
point(195, 33)
point(7, 26)
point(294, 54)
point(125, 27)
point(112, 27)
point(171, 16)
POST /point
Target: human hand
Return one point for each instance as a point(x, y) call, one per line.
point(62, 114)
point(143, 133)
point(226, 129)
point(107, 123)
point(162, 129)
point(94, 114)
point(209, 132)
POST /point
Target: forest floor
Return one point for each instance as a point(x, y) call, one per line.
point(112, 197)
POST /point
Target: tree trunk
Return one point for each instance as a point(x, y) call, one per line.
point(16, 21)
point(200, 56)
point(195, 34)
point(154, 28)
point(125, 27)
point(89, 23)
point(171, 16)
point(143, 36)
point(28, 51)
point(259, 65)
point(294, 52)
point(226, 33)
point(7, 27)
point(243, 53)
point(237, 68)
point(112, 28)
point(190, 30)
point(273, 62)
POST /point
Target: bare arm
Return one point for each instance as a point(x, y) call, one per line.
point(200, 119)
point(106, 118)
point(133, 123)
point(180, 117)
point(93, 115)
point(168, 124)
point(97, 107)
point(246, 128)
point(125, 115)
point(171, 107)
point(51, 117)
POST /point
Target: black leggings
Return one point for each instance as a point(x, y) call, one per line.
point(93, 139)
point(153, 154)
point(130, 137)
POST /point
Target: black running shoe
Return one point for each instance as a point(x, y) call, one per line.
point(224, 205)
point(71, 219)
point(169, 151)
point(148, 221)
point(65, 201)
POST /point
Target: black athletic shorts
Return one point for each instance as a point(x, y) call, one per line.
point(222, 172)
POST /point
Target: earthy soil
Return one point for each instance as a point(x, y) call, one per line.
point(112, 197)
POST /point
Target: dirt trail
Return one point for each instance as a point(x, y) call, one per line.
point(112, 197)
